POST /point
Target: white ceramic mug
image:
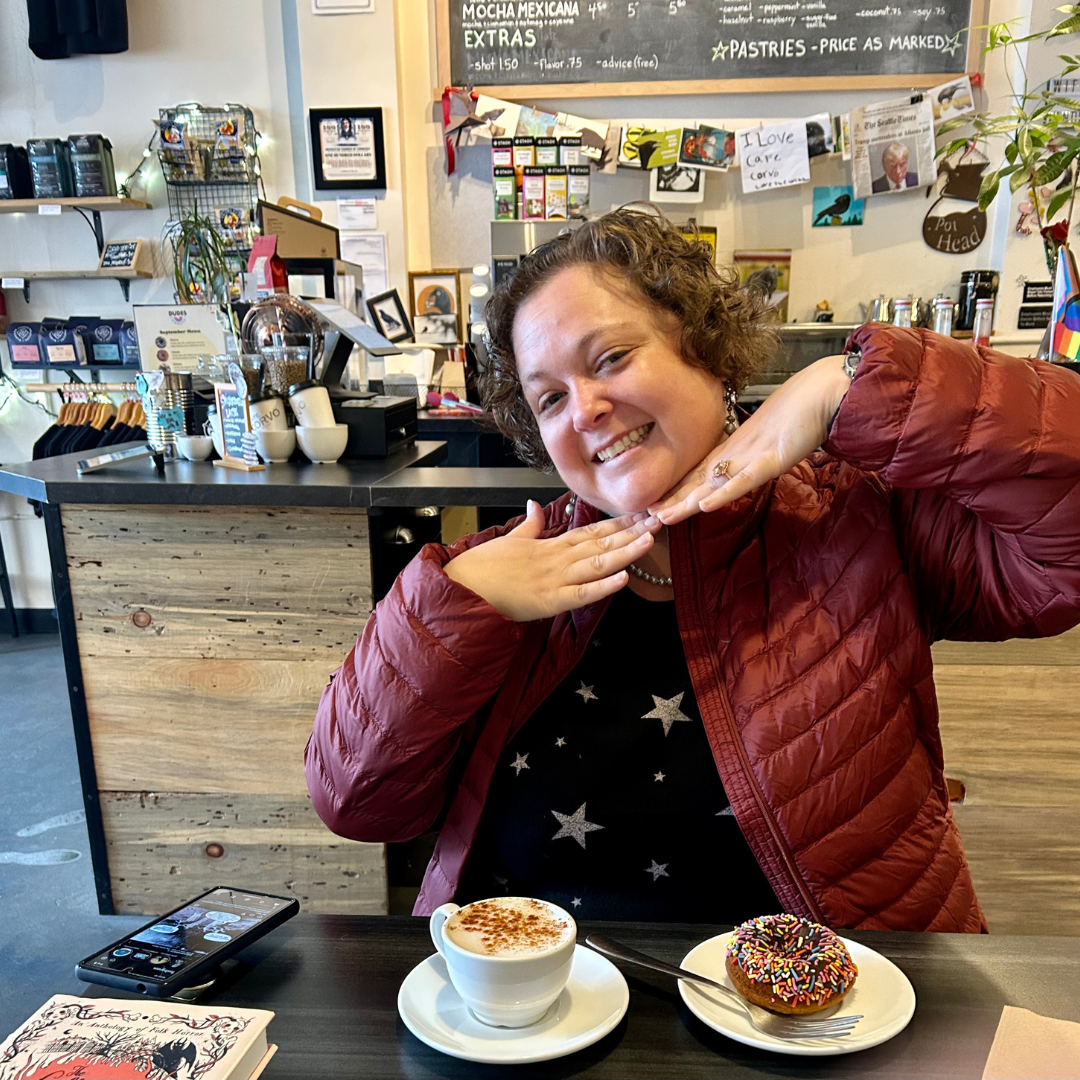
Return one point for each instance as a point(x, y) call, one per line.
point(510, 991)
point(195, 447)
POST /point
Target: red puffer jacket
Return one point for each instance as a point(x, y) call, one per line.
point(946, 505)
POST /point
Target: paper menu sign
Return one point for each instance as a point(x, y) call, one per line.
point(174, 336)
point(369, 251)
point(773, 156)
point(356, 214)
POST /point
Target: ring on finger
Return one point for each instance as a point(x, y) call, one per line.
point(722, 469)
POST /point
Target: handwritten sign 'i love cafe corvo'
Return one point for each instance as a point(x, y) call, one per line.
point(773, 155)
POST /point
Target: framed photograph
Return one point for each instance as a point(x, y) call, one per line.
point(388, 316)
point(347, 148)
point(435, 299)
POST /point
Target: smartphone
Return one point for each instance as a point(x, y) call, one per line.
point(184, 947)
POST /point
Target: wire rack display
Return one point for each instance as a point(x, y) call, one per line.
point(210, 160)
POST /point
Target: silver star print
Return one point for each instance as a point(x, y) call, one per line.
point(659, 777)
point(667, 710)
point(560, 741)
point(519, 763)
point(576, 901)
point(586, 693)
point(574, 825)
point(658, 870)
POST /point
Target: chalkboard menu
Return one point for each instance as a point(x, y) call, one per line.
point(511, 43)
point(119, 255)
point(235, 424)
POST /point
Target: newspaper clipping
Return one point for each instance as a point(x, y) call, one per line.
point(892, 146)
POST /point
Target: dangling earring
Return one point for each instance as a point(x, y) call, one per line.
point(570, 506)
point(730, 398)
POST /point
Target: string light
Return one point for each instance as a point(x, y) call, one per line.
point(125, 184)
point(16, 391)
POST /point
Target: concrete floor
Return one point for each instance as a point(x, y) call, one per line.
point(45, 872)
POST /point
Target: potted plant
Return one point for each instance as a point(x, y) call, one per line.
point(1042, 142)
point(202, 273)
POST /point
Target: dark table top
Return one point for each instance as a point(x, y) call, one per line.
point(406, 478)
point(333, 980)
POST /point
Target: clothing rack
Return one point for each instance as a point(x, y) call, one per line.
point(81, 388)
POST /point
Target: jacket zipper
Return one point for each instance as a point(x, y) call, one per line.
point(763, 807)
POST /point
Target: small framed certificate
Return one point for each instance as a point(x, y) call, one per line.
point(347, 148)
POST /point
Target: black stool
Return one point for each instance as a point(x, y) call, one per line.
point(5, 588)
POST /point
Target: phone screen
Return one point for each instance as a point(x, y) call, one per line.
point(184, 938)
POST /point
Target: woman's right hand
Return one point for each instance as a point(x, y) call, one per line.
point(526, 578)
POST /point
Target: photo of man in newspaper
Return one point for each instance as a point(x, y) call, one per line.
point(892, 146)
point(892, 159)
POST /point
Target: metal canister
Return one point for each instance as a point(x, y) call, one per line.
point(943, 315)
point(168, 402)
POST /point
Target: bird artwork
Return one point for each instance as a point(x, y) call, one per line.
point(948, 94)
point(839, 207)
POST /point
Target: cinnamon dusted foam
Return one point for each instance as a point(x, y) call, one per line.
point(509, 926)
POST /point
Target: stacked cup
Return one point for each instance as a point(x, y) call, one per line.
point(274, 439)
point(321, 439)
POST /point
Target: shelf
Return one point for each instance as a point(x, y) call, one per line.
point(105, 202)
point(125, 277)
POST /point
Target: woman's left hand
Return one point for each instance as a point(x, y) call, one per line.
point(791, 424)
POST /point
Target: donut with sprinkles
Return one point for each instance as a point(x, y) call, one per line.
point(789, 965)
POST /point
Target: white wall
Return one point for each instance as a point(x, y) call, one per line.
point(272, 55)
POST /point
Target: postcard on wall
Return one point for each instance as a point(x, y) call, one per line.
point(500, 118)
point(648, 146)
point(706, 147)
point(952, 99)
point(892, 146)
point(836, 206)
point(819, 135)
point(773, 156)
point(593, 133)
point(676, 184)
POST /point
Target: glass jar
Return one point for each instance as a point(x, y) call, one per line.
point(943, 316)
point(902, 312)
point(284, 366)
point(984, 321)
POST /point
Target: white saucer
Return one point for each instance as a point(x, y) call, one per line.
point(593, 1002)
point(882, 994)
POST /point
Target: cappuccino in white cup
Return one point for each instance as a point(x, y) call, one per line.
point(508, 957)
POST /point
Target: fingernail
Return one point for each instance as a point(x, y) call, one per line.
point(641, 516)
point(652, 519)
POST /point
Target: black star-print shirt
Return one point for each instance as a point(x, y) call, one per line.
point(608, 802)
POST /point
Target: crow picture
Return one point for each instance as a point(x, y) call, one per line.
point(838, 208)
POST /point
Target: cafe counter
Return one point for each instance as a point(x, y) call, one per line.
point(202, 612)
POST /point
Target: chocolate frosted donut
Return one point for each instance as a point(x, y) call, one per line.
point(789, 965)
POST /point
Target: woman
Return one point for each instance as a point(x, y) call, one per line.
point(700, 687)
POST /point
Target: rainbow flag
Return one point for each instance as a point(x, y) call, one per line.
point(1066, 306)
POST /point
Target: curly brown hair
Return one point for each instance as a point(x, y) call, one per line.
point(725, 328)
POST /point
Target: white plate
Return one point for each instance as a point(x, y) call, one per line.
point(593, 1002)
point(881, 993)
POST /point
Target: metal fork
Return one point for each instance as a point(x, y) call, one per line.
point(780, 1027)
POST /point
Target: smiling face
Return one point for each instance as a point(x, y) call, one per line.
point(623, 417)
